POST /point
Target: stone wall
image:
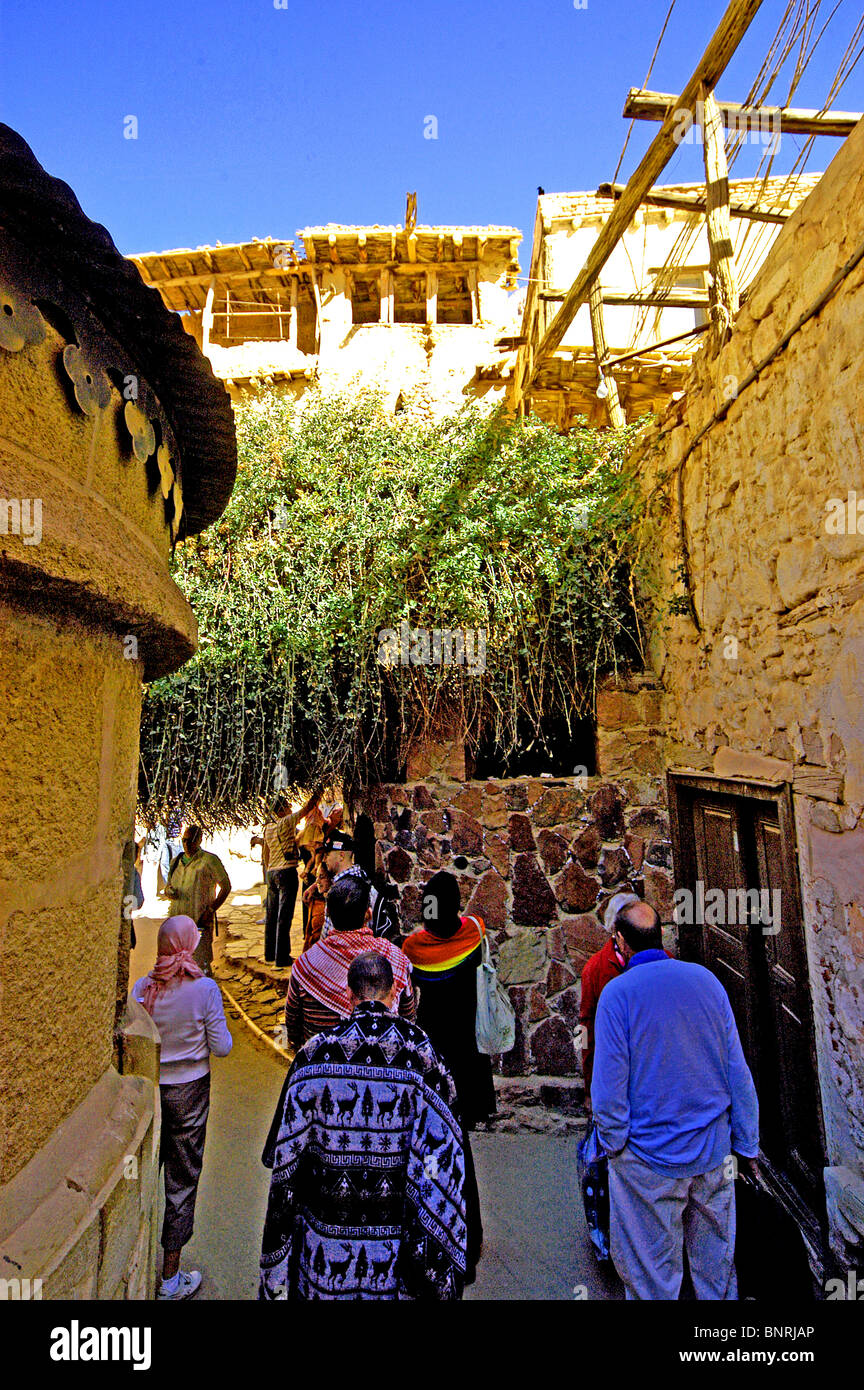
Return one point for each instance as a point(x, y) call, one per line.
point(80, 1217)
point(88, 610)
point(542, 857)
point(772, 685)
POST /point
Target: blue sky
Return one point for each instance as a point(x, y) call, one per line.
point(255, 121)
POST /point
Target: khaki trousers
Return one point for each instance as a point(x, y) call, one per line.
point(652, 1219)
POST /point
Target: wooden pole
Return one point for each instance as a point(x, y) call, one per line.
point(617, 418)
point(432, 296)
point(207, 317)
point(475, 294)
point(724, 284)
point(316, 294)
point(713, 63)
point(292, 314)
point(385, 284)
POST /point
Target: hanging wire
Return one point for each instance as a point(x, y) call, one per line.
point(644, 84)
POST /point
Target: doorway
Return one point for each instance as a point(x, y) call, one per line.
point(739, 837)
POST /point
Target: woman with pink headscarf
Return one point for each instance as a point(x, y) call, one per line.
point(186, 1006)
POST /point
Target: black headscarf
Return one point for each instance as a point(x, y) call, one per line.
point(443, 919)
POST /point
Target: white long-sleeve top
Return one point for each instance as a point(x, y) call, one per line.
point(191, 1023)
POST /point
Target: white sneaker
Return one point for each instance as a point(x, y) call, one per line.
point(188, 1283)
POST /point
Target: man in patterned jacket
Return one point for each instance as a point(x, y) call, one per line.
point(366, 1197)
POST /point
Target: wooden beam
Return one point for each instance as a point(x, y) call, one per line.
point(292, 315)
point(475, 294)
point(385, 288)
point(724, 284)
point(617, 418)
point(710, 68)
point(285, 275)
point(655, 347)
point(169, 282)
point(658, 199)
point(207, 317)
point(676, 298)
point(657, 106)
point(316, 292)
point(432, 296)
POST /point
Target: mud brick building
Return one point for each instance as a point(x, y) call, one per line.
point(414, 312)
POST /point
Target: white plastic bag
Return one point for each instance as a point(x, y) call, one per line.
point(496, 1019)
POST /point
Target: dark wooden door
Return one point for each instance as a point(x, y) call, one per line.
point(737, 843)
point(791, 1128)
point(725, 949)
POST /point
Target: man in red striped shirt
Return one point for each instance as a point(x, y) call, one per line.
point(318, 995)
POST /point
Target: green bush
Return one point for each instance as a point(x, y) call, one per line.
point(344, 521)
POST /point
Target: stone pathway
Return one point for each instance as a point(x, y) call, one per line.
point(536, 1244)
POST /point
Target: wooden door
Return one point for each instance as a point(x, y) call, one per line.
point(791, 1128)
point(739, 842)
point(725, 949)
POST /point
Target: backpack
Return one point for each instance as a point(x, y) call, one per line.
point(385, 915)
point(495, 1026)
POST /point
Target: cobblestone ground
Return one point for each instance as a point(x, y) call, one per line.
point(536, 1245)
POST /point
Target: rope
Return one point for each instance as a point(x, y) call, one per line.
point(644, 84)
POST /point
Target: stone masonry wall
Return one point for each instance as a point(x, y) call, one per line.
point(772, 685)
point(543, 858)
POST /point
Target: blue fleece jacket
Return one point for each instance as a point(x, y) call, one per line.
point(670, 1079)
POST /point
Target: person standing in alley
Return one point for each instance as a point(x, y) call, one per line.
point(281, 861)
point(445, 955)
point(197, 886)
point(186, 1007)
point(366, 1194)
point(168, 844)
point(315, 903)
point(673, 1102)
point(338, 853)
point(605, 965)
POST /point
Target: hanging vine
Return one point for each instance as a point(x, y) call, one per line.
point(345, 522)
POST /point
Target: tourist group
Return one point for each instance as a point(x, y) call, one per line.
point(373, 1193)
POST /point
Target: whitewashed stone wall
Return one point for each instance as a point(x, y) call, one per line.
point(777, 669)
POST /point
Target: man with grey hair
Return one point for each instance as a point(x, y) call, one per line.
point(673, 1102)
point(367, 1196)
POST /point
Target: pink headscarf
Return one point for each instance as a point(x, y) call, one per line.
point(178, 937)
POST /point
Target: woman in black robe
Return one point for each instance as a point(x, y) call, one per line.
point(445, 955)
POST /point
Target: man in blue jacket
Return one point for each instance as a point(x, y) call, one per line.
point(673, 1100)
